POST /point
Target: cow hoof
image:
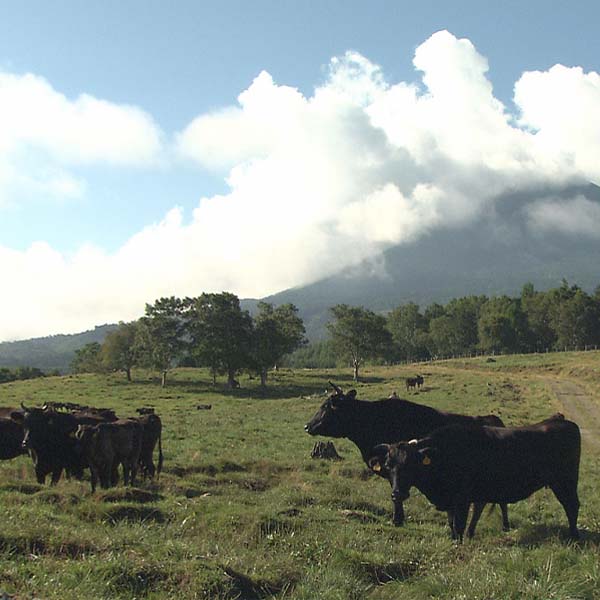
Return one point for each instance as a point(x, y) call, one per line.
point(398, 523)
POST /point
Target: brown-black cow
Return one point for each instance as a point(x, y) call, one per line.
point(107, 445)
point(368, 424)
point(151, 436)
point(459, 464)
point(48, 437)
point(11, 439)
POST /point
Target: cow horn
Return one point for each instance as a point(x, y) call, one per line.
point(336, 388)
point(413, 442)
point(24, 407)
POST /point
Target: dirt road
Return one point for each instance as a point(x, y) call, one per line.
point(580, 407)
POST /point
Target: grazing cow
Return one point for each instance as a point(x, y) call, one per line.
point(411, 382)
point(48, 437)
point(107, 445)
point(11, 439)
point(151, 435)
point(368, 424)
point(9, 412)
point(459, 464)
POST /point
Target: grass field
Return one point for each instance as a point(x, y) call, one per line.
point(242, 511)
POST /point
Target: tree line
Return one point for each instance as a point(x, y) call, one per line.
point(213, 331)
point(561, 318)
point(210, 330)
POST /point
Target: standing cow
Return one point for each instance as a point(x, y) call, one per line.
point(107, 445)
point(11, 439)
point(48, 436)
point(151, 436)
point(368, 424)
point(459, 464)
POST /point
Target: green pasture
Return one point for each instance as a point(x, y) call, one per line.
point(242, 511)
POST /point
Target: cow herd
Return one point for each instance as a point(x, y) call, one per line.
point(456, 460)
point(71, 438)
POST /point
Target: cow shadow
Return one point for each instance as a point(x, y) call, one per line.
point(538, 535)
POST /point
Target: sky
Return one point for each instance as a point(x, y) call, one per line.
point(151, 150)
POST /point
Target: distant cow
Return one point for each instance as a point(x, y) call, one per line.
point(107, 445)
point(420, 381)
point(151, 436)
point(459, 464)
point(11, 439)
point(411, 382)
point(368, 424)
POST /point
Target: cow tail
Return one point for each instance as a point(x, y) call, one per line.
point(160, 455)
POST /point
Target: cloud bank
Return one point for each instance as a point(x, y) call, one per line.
point(315, 183)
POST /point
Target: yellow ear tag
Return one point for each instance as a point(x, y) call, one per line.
point(376, 467)
point(427, 460)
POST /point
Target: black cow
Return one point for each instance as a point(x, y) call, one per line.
point(459, 464)
point(151, 435)
point(48, 436)
point(11, 439)
point(368, 424)
point(411, 382)
point(420, 381)
point(107, 445)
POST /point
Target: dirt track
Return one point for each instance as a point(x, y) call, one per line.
point(579, 406)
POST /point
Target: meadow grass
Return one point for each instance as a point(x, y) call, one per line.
point(242, 511)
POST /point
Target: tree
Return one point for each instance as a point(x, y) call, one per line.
point(159, 338)
point(407, 326)
point(358, 334)
point(220, 333)
point(277, 332)
point(87, 359)
point(503, 326)
point(119, 351)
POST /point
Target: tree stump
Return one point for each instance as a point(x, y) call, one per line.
point(325, 450)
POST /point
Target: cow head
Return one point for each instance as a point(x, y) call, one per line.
point(335, 416)
point(401, 463)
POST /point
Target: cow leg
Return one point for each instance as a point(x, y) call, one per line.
point(450, 514)
point(398, 518)
point(105, 476)
point(566, 494)
point(113, 475)
point(40, 474)
point(461, 511)
point(505, 523)
point(93, 478)
point(477, 510)
point(55, 475)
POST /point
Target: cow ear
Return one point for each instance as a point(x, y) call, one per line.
point(425, 456)
point(378, 458)
point(351, 395)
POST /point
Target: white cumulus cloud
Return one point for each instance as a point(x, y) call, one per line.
point(316, 182)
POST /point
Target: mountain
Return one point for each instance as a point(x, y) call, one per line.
point(496, 254)
point(49, 353)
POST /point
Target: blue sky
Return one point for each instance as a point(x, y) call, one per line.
point(104, 165)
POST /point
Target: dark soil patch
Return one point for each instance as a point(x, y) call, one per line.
point(23, 488)
point(255, 589)
point(131, 495)
point(117, 514)
point(38, 546)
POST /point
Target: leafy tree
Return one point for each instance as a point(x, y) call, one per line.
point(407, 326)
point(87, 359)
point(502, 325)
point(159, 339)
point(577, 321)
point(220, 333)
point(119, 350)
point(315, 355)
point(358, 334)
point(277, 332)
